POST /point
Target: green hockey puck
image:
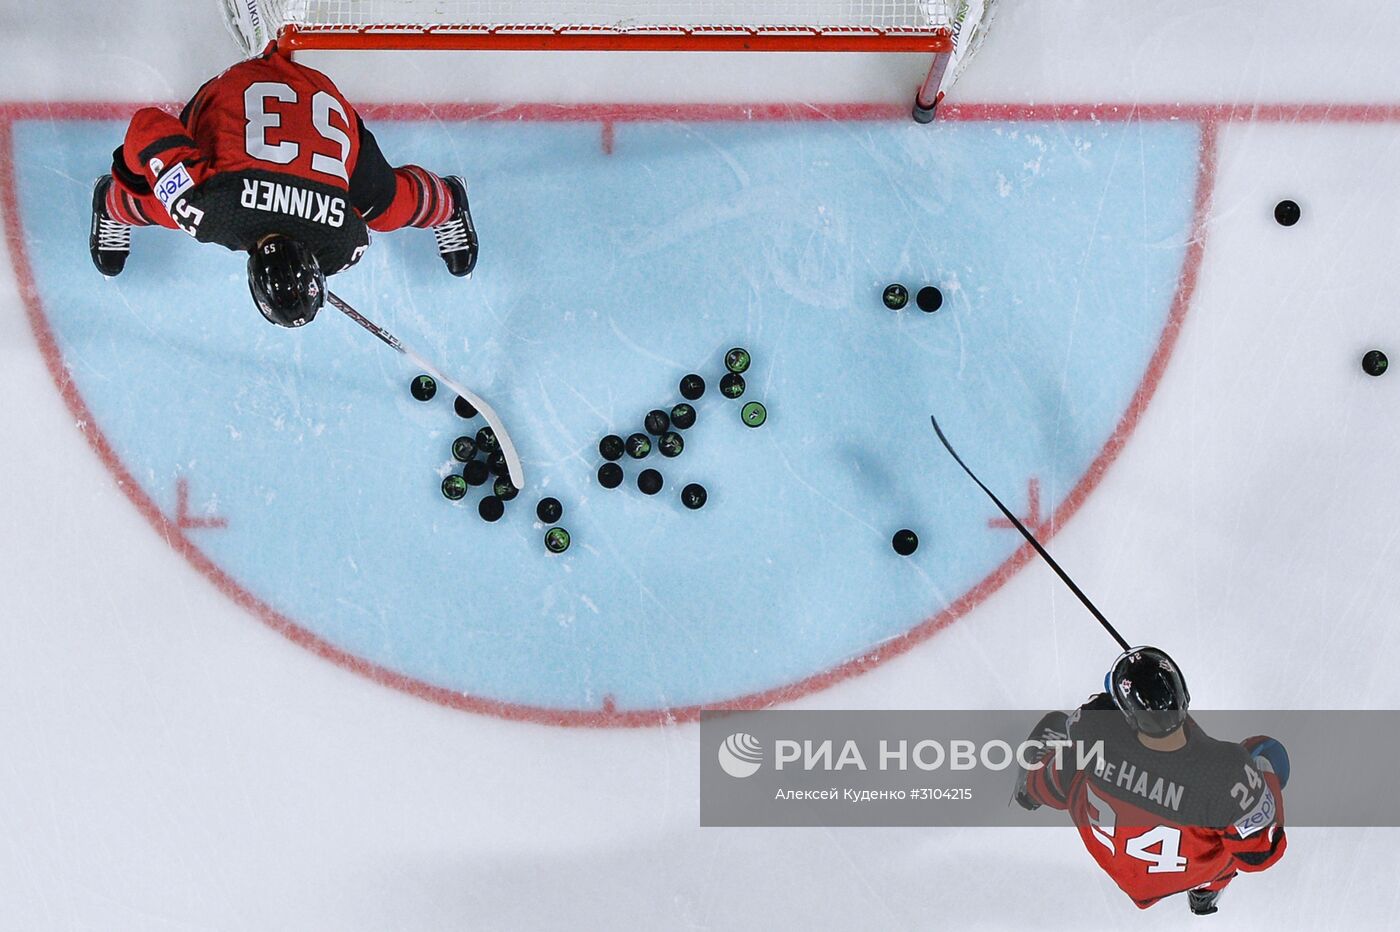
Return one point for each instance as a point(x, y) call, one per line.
point(683, 416)
point(423, 388)
point(454, 488)
point(463, 449)
point(896, 296)
point(556, 540)
point(737, 360)
point(670, 444)
point(754, 414)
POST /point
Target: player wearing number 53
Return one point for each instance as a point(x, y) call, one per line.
point(1165, 808)
point(270, 159)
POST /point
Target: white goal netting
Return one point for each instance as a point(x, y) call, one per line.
point(260, 20)
point(614, 14)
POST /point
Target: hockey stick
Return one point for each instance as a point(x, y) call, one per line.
point(517, 474)
point(1031, 539)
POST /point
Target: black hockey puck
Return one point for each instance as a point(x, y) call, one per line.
point(732, 385)
point(464, 449)
point(463, 407)
point(638, 446)
point(650, 481)
point(610, 475)
point(670, 444)
point(929, 299)
point(486, 441)
point(1374, 363)
point(905, 542)
point(454, 487)
point(683, 416)
point(611, 447)
point(1287, 213)
point(694, 496)
point(737, 360)
point(423, 387)
point(556, 540)
point(491, 508)
point(896, 296)
point(692, 387)
point(754, 414)
point(549, 510)
point(496, 462)
point(476, 472)
point(504, 489)
point(657, 422)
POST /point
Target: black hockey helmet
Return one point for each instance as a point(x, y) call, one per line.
point(1148, 688)
point(286, 281)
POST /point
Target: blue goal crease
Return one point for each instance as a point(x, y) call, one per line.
point(604, 278)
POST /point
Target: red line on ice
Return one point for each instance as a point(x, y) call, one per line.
point(1031, 519)
point(183, 518)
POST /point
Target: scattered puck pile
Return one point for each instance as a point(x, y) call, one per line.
point(1286, 214)
point(482, 462)
point(662, 432)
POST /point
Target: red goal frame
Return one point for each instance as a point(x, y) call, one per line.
point(529, 38)
point(517, 38)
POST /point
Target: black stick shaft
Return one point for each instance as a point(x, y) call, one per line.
point(368, 324)
point(1093, 610)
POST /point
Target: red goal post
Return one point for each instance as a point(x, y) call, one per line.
point(924, 26)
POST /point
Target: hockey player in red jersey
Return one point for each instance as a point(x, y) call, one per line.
point(270, 159)
point(1165, 808)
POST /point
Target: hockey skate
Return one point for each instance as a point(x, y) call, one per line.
point(456, 236)
point(109, 240)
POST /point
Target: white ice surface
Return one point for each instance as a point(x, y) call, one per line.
point(167, 763)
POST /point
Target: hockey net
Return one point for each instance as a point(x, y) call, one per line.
point(952, 30)
point(660, 25)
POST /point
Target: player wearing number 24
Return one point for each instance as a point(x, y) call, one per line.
point(270, 159)
point(1166, 808)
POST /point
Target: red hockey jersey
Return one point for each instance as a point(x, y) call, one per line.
point(268, 146)
point(1162, 822)
point(272, 113)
